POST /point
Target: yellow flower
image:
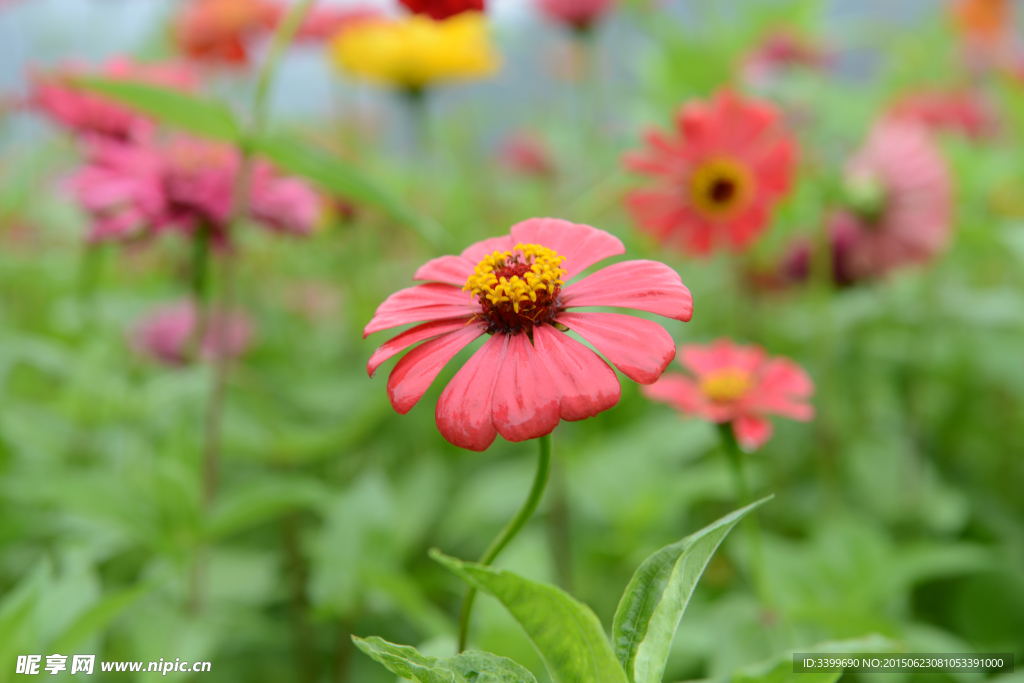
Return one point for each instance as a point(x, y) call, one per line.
point(416, 51)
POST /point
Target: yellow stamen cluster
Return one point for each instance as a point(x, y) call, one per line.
point(721, 186)
point(544, 274)
point(725, 385)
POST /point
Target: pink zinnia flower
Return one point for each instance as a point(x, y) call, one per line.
point(529, 374)
point(86, 113)
point(717, 181)
point(526, 154)
point(184, 184)
point(325, 22)
point(220, 31)
point(166, 334)
point(780, 51)
point(955, 112)
point(900, 201)
point(579, 15)
point(736, 384)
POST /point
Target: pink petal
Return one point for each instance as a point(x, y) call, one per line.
point(783, 390)
point(585, 383)
point(413, 336)
point(474, 253)
point(581, 245)
point(524, 404)
point(640, 348)
point(680, 392)
point(703, 359)
point(433, 301)
point(751, 432)
point(643, 285)
point(454, 270)
point(463, 412)
point(413, 374)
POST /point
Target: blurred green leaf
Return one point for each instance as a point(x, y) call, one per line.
point(779, 669)
point(338, 176)
point(566, 632)
point(100, 616)
point(468, 667)
point(196, 115)
point(262, 501)
point(648, 615)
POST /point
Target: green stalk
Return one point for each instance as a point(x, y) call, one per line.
point(736, 458)
point(509, 532)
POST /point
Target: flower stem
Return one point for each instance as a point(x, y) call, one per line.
point(753, 529)
point(540, 480)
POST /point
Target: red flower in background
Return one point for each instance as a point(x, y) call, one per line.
point(717, 181)
point(580, 15)
point(132, 190)
point(166, 334)
point(899, 197)
point(529, 374)
point(54, 94)
point(736, 384)
point(781, 50)
point(527, 154)
point(962, 112)
point(219, 31)
point(439, 10)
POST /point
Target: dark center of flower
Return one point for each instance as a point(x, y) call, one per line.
point(720, 187)
point(517, 289)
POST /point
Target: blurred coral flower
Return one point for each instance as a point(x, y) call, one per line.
point(718, 179)
point(440, 10)
point(736, 384)
point(415, 52)
point(184, 184)
point(166, 334)
point(899, 201)
point(527, 154)
point(83, 112)
point(580, 15)
point(325, 23)
point(219, 31)
point(962, 112)
point(779, 51)
point(987, 31)
point(529, 374)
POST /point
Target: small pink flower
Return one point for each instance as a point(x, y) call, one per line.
point(139, 188)
point(900, 202)
point(166, 334)
point(780, 51)
point(325, 22)
point(961, 112)
point(716, 178)
point(529, 374)
point(736, 384)
point(579, 15)
point(526, 154)
point(86, 113)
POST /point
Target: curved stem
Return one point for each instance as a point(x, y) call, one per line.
point(540, 480)
point(753, 528)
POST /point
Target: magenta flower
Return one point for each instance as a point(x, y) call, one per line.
point(147, 187)
point(526, 154)
point(899, 196)
point(166, 334)
point(738, 385)
point(580, 15)
point(86, 113)
point(529, 374)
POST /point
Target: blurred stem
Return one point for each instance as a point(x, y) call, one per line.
point(200, 285)
point(298, 571)
point(415, 100)
point(239, 208)
point(752, 527)
point(90, 268)
point(343, 651)
point(558, 528)
point(509, 532)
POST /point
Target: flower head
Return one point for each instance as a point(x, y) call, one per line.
point(960, 112)
point(83, 112)
point(439, 10)
point(717, 181)
point(579, 15)
point(779, 51)
point(899, 201)
point(183, 184)
point(416, 51)
point(518, 289)
point(166, 334)
point(736, 384)
point(526, 154)
point(325, 22)
point(220, 31)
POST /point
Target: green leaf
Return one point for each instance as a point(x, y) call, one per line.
point(650, 610)
point(192, 114)
point(99, 616)
point(566, 633)
point(779, 669)
point(468, 667)
point(296, 156)
point(262, 501)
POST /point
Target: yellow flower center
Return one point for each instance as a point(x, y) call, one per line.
point(726, 385)
point(518, 289)
point(720, 187)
